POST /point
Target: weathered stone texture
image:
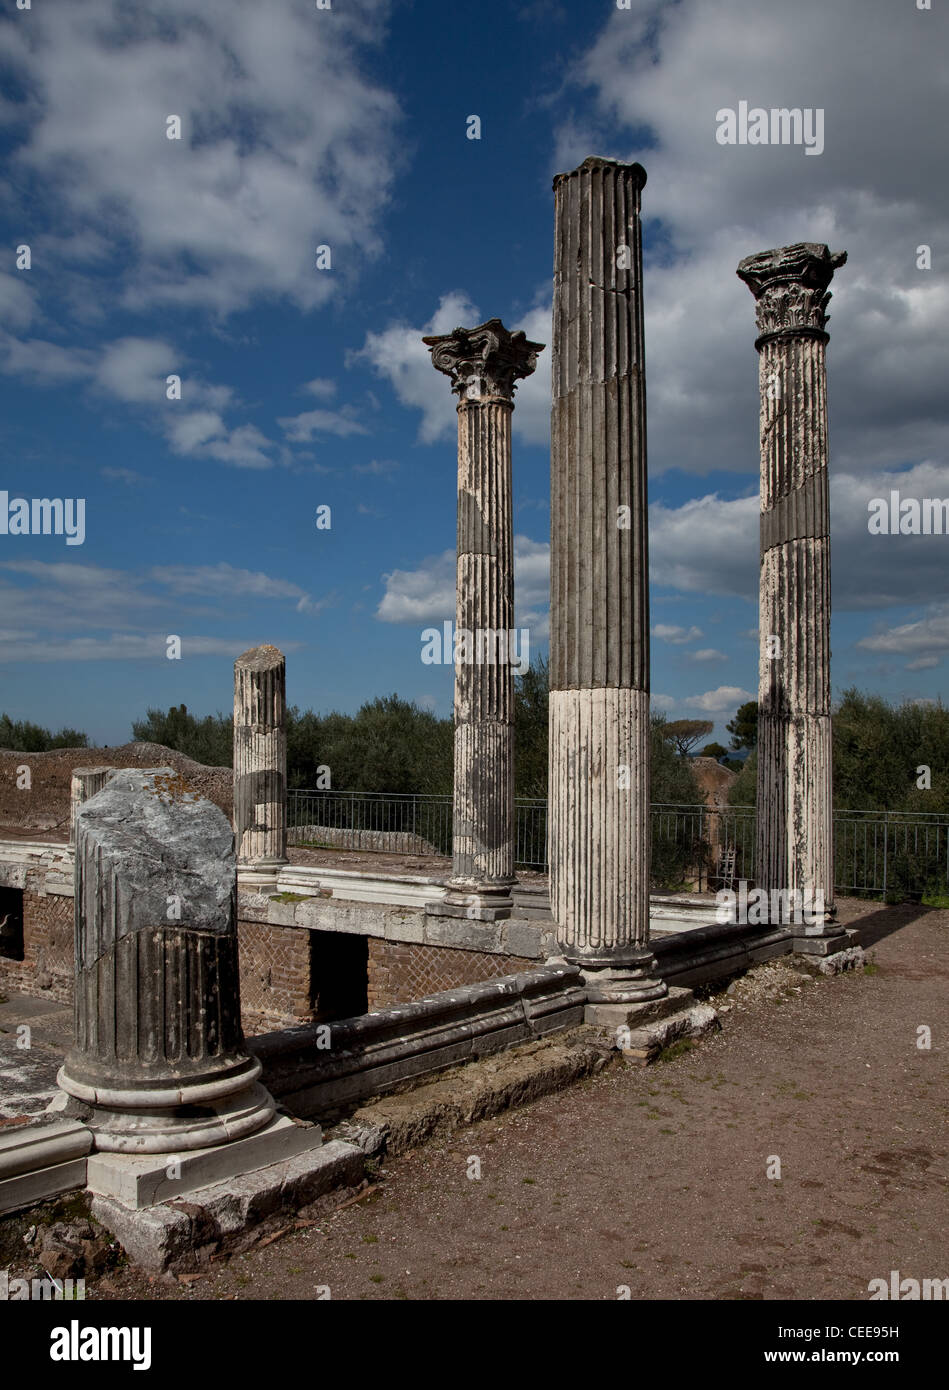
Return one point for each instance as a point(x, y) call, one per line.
point(599, 644)
point(159, 1053)
point(260, 757)
point(795, 793)
point(484, 363)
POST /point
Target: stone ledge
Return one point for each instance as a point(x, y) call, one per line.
point(397, 1123)
point(141, 1180)
point(183, 1234)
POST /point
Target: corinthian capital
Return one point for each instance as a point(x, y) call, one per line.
point(790, 286)
point(483, 361)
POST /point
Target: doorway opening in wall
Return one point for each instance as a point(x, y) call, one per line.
point(339, 975)
point(11, 923)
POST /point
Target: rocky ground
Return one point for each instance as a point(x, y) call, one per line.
point(664, 1180)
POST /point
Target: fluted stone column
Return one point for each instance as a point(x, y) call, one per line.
point(159, 1057)
point(598, 813)
point(483, 363)
point(85, 782)
point(260, 764)
point(795, 781)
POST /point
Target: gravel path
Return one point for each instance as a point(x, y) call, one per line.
point(657, 1179)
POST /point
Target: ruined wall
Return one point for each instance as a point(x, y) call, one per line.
point(400, 972)
point(44, 808)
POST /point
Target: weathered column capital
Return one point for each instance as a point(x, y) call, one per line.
point(484, 361)
point(790, 288)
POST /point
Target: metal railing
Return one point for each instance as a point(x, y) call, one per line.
point(878, 853)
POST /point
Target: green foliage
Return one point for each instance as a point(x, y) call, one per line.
point(531, 697)
point(744, 727)
point(23, 737)
point(209, 740)
point(714, 750)
point(742, 790)
point(877, 749)
point(671, 777)
point(684, 734)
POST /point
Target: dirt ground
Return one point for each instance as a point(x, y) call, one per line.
point(657, 1179)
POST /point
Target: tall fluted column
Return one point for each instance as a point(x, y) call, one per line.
point(483, 364)
point(260, 764)
point(599, 597)
point(795, 781)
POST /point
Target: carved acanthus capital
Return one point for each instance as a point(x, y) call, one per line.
point(790, 286)
point(484, 361)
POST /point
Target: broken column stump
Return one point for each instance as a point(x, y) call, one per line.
point(159, 1056)
point(260, 764)
point(85, 782)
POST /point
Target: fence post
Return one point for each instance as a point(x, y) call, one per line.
point(886, 842)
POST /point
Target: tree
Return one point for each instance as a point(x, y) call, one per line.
point(531, 699)
point(21, 736)
point(684, 734)
point(671, 779)
point(744, 726)
point(209, 740)
point(714, 750)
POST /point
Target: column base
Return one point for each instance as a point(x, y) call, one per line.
point(261, 873)
point(194, 1115)
point(478, 902)
point(619, 977)
point(821, 941)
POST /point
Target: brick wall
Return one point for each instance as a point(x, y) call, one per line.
point(275, 976)
point(401, 973)
point(46, 969)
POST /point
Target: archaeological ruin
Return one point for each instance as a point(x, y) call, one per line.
point(237, 998)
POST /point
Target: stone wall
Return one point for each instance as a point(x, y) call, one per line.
point(400, 972)
point(377, 841)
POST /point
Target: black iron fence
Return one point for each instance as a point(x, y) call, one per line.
point(891, 854)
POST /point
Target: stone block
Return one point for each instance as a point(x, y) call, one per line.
point(142, 1180)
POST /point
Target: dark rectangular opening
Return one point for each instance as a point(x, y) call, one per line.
point(339, 975)
point(11, 923)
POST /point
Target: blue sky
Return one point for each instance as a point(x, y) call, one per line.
point(302, 387)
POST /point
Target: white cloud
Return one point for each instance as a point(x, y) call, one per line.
point(286, 143)
point(427, 595)
point(707, 654)
point(660, 72)
point(300, 429)
point(398, 354)
point(726, 697)
point(710, 544)
point(668, 633)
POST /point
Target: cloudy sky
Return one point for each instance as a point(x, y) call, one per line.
point(305, 386)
